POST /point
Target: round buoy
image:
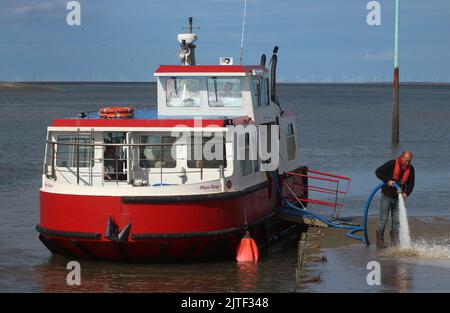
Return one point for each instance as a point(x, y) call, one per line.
point(247, 250)
point(116, 112)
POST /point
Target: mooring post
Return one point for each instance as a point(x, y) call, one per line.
point(396, 101)
point(301, 256)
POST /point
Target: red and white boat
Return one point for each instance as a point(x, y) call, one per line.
point(118, 185)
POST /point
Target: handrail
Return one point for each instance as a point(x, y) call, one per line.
point(329, 174)
point(323, 177)
point(120, 144)
point(90, 160)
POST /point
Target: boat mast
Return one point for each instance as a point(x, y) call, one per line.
point(187, 52)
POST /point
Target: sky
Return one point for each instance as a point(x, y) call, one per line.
point(319, 40)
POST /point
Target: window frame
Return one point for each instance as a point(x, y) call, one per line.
point(239, 79)
point(291, 145)
point(201, 82)
point(139, 137)
point(72, 153)
point(224, 163)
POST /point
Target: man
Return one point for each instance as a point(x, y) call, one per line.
point(398, 171)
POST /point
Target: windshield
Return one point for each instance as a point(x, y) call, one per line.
point(183, 92)
point(224, 92)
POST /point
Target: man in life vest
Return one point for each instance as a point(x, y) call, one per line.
point(398, 171)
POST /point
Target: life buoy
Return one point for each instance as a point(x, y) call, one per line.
point(116, 112)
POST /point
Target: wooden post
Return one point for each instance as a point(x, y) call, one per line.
point(301, 256)
point(396, 101)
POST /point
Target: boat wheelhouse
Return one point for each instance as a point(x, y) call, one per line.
point(181, 181)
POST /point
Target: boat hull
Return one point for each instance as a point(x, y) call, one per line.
point(159, 228)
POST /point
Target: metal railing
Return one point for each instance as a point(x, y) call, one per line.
point(126, 163)
point(335, 190)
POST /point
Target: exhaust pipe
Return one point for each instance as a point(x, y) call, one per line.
point(263, 60)
point(273, 80)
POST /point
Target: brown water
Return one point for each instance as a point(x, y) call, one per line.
point(425, 267)
point(343, 129)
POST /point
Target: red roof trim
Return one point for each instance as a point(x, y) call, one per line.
point(135, 123)
point(208, 69)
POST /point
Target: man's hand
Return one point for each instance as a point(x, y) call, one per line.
point(391, 183)
point(404, 196)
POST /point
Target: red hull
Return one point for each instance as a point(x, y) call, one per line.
point(159, 228)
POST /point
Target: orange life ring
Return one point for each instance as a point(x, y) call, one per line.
point(116, 112)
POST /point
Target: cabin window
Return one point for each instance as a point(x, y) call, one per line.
point(261, 91)
point(211, 149)
point(265, 91)
point(158, 153)
point(183, 92)
point(256, 86)
point(225, 92)
point(66, 151)
point(267, 135)
point(248, 165)
point(290, 141)
point(114, 156)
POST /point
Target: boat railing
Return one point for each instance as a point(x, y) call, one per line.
point(332, 188)
point(123, 167)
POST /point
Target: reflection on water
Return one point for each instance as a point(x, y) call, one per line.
point(397, 276)
point(223, 276)
point(247, 276)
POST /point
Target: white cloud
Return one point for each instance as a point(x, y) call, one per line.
point(29, 7)
point(380, 56)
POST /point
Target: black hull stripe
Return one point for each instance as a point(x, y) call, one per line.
point(61, 233)
point(151, 236)
point(188, 198)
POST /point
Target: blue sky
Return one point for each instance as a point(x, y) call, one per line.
point(319, 40)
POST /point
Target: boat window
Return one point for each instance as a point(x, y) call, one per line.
point(225, 92)
point(267, 135)
point(265, 91)
point(114, 156)
point(214, 145)
point(66, 151)
point(248, 166)
point(260, 87)
point(158, 153)
point(183, 92)
point(256, 86)
point(290, 141)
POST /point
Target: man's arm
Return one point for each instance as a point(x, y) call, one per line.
point(383, 172)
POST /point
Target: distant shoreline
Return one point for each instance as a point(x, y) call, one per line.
point(50, 85)
point(27, 86)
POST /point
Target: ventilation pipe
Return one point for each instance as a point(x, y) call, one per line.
point(273, 80)
point(263, 60)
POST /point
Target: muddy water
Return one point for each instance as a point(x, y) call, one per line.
point(424, 267)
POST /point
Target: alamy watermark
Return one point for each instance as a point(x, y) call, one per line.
point(73, 18)
point(373, 278)
point(249, 142)
point(73, 278)
point(374, 16)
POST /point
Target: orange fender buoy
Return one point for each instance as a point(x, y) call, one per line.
point(116, 112)
point(247, 250)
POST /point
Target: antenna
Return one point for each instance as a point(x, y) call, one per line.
point(243, 30)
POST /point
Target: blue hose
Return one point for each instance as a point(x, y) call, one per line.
point(292, 209)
